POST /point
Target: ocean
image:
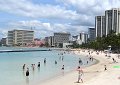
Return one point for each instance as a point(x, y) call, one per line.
point(11, 65)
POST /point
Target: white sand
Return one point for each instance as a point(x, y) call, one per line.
point(93, 75)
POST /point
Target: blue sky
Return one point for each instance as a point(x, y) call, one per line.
point(49, 16)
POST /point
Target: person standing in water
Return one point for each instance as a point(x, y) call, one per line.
point(63, 67)
point(24, 67)
point(38, 64)
point(87, 62)
point(45, 61)
point(27, 72)
point(33, 66)
point(80, 61)
point(62, 58)
point(55, 62)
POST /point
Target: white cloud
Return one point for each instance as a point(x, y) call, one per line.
point(34, 24)
point(45, 29)
point(88, 9)
point(3, 33)
point(79, 13)
point(91, 6)
point(29, 9)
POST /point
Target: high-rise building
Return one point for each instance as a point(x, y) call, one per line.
point(100, 26)
point(51, 41)
point(76, 39)
point(3, 41)
point(20, 37)
point(46, 40)
point(112, 18)
point(60, 38)
point(83, 37)
point(91, 33)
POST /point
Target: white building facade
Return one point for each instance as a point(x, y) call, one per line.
point(83, 37)
point(51, 41)
point(20, 37)
point(112, 20)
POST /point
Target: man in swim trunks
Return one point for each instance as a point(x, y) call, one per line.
point(80, 74)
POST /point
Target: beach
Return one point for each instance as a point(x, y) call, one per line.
point(11, 64)
point(93, 75)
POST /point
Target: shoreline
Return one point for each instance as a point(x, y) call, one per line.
point(91, 73)
point(67, 73)
point(60, 75)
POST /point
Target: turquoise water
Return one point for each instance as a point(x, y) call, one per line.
point(11, 72)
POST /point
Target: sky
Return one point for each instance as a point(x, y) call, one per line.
point(48, 16)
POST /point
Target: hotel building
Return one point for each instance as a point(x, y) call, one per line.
point(91, 32)
point(20, 37)
point(100, 26)
point(112, 18)
point(51, 41)
point(83, 37)
point(60, 38)
point(3, 41)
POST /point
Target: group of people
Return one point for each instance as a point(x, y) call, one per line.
point(79, 69)
point(39, 64)
point(33, 67)
point(27, 71)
